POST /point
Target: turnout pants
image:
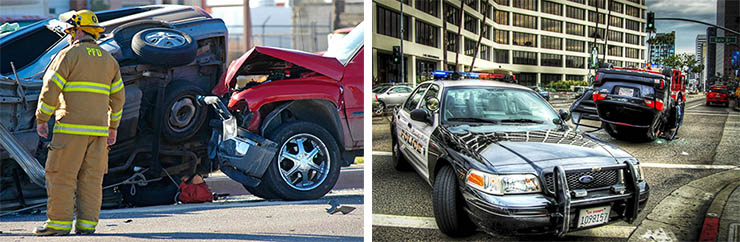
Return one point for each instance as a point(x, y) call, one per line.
point(74, 178)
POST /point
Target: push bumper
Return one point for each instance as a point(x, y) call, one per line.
point(550, 214)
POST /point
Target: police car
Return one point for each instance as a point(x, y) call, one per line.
point(500, 158)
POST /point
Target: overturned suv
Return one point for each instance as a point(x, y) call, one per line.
point(500, 158)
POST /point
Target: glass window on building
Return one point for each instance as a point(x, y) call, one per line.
point(524, 39)
point(389, 23)
point(632, 39)
point(592, 30)
point(470, 47)
point(615, 63)
point(632, 25)
point(502, 36)
point(631, 53)
point(632, 11)
point(485, 52)
point(549, 42)
point(526, 4)
point(575, 45)
point(616, 21)
point(615, 50)
point(615, 36)
point(550, 78)
point(574, 77)
point(452, 14)
point(487, 32)
point(575, 62)
point(599, 3)
point(471, 23)
point(471, 3)
point(452, 40)
point(427, 6)
point(426, 34)
point(425, 69)
point(578, 1)
point(524, 57)
point(502, 2)
point(525, 21)
point(551, 60)
point(616, 6)
point(592, 17)
point(552, 25)
point(552, 8)
point(502, 17)
point(630, 64)
point(501, 56)
point(574, 29)
point(486, 9)
point(389, 72)
point(527, 78)
point(576, 13)
point(599, 47)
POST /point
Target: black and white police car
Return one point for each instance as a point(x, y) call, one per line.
point(501, 159)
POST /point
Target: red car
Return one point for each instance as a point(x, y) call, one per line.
point(718, 95)
point(299, 117)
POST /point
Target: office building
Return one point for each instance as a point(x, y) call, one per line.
point(660, 51)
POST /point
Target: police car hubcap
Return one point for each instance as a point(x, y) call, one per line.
point(304, 162)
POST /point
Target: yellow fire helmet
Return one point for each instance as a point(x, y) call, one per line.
point(83, 19)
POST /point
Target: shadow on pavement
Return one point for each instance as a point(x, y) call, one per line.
point(203, 236)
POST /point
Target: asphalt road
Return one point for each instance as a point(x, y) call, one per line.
point(405, 197)
point(237, 217)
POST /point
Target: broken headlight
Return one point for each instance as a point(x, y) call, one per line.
point(502, 184)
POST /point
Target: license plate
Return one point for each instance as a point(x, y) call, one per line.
point(626, 92)
point(593, 216)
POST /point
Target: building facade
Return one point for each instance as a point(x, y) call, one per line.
point(663, 50)
point(700, 51)
point(541, 41)
point(728, 16)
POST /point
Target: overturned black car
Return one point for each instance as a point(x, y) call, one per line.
point(500, 158)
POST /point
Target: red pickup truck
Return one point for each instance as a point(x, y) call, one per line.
point(292, 119)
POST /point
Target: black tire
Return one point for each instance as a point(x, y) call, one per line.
point(273, 180)
point(182, 52)
point(399, 162)
point(263, 193)
point(381, 108)
point(189, 117)
point(449, 214)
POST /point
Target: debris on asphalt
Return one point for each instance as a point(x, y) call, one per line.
point(684, 153)
point(336, 207)
point(128, 221)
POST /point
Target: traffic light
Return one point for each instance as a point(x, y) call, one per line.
point(396, 54)
point(650, 22)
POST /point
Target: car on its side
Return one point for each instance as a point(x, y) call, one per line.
point(500, 158)
point(717, 94)
point(168, 55)
point(633, 104)
point(388, 97)
point(293, 118)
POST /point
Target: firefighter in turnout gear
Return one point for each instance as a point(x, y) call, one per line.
point(84, 90)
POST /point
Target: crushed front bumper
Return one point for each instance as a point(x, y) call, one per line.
point(549, 213)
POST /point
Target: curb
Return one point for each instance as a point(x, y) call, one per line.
point(710, 229)
point(679, 215)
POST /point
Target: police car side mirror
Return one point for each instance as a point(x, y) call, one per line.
point(564, 115)
point(420, 115)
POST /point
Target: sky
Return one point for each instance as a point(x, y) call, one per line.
point(702, 10)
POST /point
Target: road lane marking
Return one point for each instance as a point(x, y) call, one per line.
point(643, 164)
point(415, 222)
point(694, 106)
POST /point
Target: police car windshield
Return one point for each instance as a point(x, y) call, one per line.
point(506, 107)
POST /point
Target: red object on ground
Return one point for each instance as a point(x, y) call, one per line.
point(709, 230)
point(190, 192)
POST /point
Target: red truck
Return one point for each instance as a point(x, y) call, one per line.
point(289, 119)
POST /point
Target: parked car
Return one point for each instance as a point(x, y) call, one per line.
point(718, 94)
point(633, 104)
point(500, 158)
point(542, 92)
point(387, 97)
point(161, 127)
point(292, 120)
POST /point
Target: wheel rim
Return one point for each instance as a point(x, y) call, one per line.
point(165, 39)
point(381, 107)
point(395, 151)
point(304, 162)
point(182, 114)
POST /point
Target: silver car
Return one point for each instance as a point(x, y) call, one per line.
point(389, 97)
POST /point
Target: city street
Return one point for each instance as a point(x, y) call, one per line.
point(239, 216)
point(402, 205)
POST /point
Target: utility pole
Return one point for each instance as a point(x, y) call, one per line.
point(444, 38)
point(606, 32)
point(459, 32)
point(247, 26)
point(403, 62)
point(480, 36)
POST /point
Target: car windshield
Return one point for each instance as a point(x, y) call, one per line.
point(719, 90)
point(349, 45)
point(504, 109)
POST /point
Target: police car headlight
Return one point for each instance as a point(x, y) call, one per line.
point(502, 184)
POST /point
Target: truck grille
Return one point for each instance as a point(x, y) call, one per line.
point(605, 178)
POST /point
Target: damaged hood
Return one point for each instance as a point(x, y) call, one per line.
point(271, 56)
point(534, 151)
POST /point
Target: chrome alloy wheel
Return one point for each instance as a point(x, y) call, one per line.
point(165, 39)
point(304, 162)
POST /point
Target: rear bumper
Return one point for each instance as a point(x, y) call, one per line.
point(717, 100)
